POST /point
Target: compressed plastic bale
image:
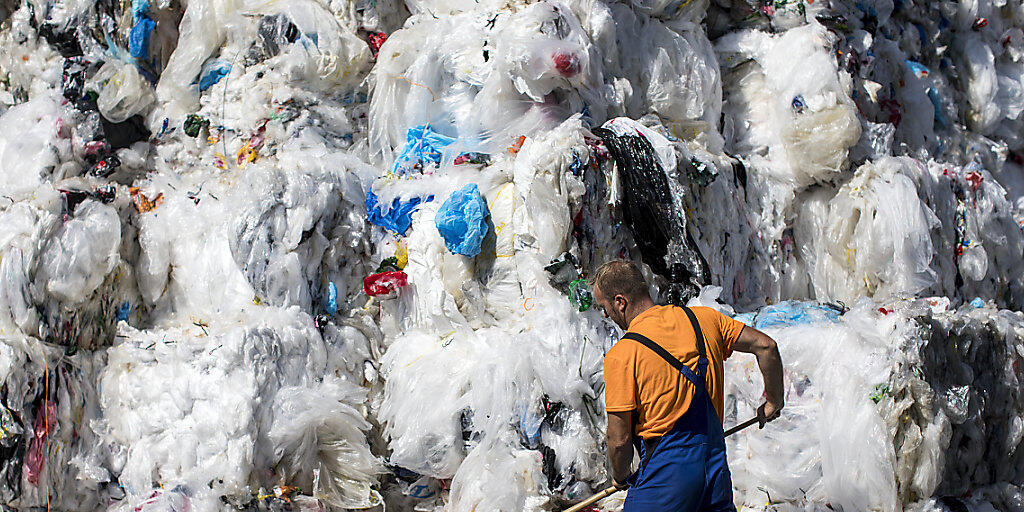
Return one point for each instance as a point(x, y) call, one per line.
point(78, 259)
point(28, 160)
point(264, 397)
point(880, 243)
point(814, 436)
point(462, 221)
point(811, 113)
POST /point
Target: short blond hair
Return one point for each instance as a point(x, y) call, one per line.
point(620, 277)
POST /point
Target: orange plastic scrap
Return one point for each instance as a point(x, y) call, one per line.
point(142, 203)
point(517, 145)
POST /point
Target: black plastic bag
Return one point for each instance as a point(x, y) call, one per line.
point(658, 227)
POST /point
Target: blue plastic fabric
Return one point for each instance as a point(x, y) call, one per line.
point(140, 7)
point(462, 221)
point(933, 95)
point(213, 72)
point(398, 218)
point(138, 38)
point(422, 146)
point(788, 313)
point(332, 299)
point(917, 68)
point(978, 303)
point(124, 311)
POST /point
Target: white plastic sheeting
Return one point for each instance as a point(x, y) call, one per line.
point(185, 190)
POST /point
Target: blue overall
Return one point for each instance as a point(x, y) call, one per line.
point(686, 470)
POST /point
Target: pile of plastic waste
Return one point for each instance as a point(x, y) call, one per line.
point(333, 254)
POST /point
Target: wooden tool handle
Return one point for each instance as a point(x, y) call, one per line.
point(741, 426)
point(591, 500)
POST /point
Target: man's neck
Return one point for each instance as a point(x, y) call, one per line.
point(642, 305)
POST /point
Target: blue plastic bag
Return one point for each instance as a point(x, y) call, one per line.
point(398, 218)
point(422, 146)
point(212, 73)
point(138, 38)
point(787, 313)
point(462, 221)
point(332, 299)
point(124, 311)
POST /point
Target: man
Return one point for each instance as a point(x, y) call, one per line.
point(664, 394)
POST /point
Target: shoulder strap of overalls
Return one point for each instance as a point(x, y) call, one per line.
point(702, 361)
point(697, 379)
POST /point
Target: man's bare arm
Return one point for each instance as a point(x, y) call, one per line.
point(764, 348)
point(620, 447)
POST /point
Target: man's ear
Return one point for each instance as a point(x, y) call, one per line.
point(621, 299)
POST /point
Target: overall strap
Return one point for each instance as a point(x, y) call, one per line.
point(702, 361)
point(697, 380)
point(677, 364)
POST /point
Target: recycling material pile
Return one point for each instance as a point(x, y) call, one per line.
point(332, 254)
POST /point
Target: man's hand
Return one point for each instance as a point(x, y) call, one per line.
point(768, 412)
point(620, 485)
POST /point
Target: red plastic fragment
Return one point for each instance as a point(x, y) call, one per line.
point(384, 282)
point(376, 40)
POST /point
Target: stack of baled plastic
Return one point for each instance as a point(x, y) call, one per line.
point(331, 255)
point(180, 324)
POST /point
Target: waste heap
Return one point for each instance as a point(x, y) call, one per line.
point(332, 255)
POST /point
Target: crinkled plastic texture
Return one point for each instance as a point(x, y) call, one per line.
point(422, 146)
point(793, 88)
point(823, 155)
point(123, 92)
point(138, 38)
point(384, 283)
point(462, 221)
point(27, 161)
point(397, 218)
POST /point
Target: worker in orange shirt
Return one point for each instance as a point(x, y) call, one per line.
point(664, 394)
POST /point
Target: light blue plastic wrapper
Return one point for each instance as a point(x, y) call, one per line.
point(422, 146)
point(787, 313)
point(213, 71)
point(462, 221)
point(332, 299)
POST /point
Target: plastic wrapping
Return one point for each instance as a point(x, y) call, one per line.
point(234, 240)
point(462, 221)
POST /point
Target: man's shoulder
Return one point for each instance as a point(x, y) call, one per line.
point(622, 350)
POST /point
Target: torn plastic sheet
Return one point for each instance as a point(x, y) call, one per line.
point(207, 340)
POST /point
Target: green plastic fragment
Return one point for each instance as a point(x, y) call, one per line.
point(579, 295)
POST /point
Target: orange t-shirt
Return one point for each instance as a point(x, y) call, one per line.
point(638, 379)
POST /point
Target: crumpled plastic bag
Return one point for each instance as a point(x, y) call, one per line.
point(422, 145)
point(462, 221)
point(123, 92)
point(398, 218)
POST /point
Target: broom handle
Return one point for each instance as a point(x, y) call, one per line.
point(611, 490)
